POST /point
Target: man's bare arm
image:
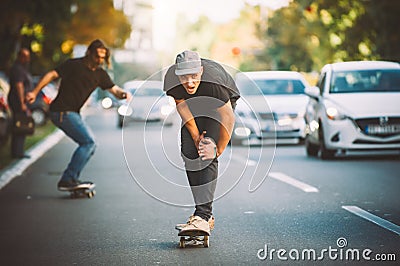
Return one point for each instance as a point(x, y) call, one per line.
point(21, 95)
point(226, 127)
point(188, 120)
point(49, 77)
point(120, 93)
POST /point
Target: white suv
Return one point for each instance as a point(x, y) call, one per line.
point(354, 107)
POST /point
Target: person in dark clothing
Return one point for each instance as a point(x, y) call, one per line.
point(21, 82)
point(205, 96)
point(79, 78)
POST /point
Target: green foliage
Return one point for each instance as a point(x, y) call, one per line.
point(198, 36)
point(98, 19)
point(47, 27)
point(310, 33)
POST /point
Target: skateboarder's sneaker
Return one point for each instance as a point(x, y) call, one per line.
point(197, 224)
point(211, 222)
point(72, 184)
point(181, 226)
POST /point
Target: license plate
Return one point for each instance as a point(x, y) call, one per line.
point(377, 129)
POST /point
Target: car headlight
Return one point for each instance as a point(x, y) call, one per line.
point(166, 110)
point(242, 131)
point(334, 114)
point(125, 110)
point(106, 103)
point(314, 125)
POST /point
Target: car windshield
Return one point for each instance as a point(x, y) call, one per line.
point(270, 87)
point(149, 92)
point(366, 81)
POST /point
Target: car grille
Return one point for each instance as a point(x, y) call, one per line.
point(275, 116)
point(379, 126)
point(268, 116)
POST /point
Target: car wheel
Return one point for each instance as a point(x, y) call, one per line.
point(120, 121)
point(39, 117)
point(325, 153)
point(311, 148)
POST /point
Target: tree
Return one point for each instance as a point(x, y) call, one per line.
point(47, 28)
point(98, 19)
point(310, 33)
point(27, 23)
point(376, 32)
point(287, 46)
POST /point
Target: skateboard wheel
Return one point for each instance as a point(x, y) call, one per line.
point(206, 242)
point(91, 194)
point(182, 242)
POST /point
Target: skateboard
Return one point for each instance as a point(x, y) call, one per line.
point(193, 238)
point(83, 191)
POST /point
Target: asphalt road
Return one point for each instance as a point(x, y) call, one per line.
point(273, 207)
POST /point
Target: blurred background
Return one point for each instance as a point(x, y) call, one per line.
point(249, 35)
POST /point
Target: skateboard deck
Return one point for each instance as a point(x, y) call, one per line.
point(83, 191)
point(193, 238)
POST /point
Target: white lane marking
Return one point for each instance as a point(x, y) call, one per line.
point(373, 218)
point(242, 159)
point(35, 152)
point(293, 182)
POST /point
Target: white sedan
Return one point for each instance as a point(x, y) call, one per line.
point(271, 107)
point(354, 107)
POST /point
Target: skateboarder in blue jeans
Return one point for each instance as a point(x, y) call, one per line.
point(79, 78)
point(205, 96)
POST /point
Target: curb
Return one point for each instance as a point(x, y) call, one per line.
point(17, 168)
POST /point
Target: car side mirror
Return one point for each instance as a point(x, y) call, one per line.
point(312, 92)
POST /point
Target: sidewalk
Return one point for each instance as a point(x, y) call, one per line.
point(18, 167)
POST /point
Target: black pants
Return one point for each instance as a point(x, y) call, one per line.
point(17, 140)
point(17, 145)
point(202, 175)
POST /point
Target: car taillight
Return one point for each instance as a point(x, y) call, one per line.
point(3, 103)
point(46, 99)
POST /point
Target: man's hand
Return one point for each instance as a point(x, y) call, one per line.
point(126, 95)
point(207, 149)
point(120, 93)
point(199, 139)
point(30, 97)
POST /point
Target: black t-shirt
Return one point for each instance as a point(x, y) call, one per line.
point(216, 88)
point(77, 83)
point(19, 73)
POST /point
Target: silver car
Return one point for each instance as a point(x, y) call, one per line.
point(272, 106)
point(149, 103)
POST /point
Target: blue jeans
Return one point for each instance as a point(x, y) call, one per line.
point(75, 128)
